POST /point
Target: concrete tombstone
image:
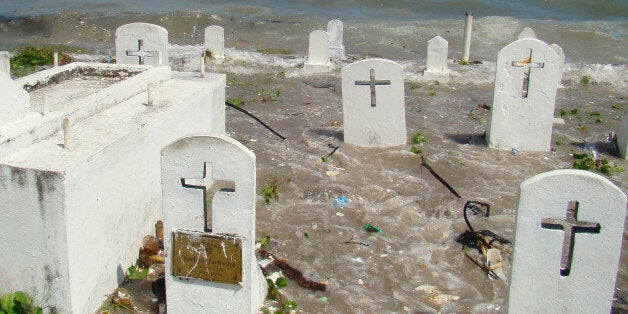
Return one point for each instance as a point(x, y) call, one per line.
point(215, 41)
point(142, 43)
point(373, 103)
point(214, 173)
point(527, 73)
point(336, 47)
point(5, 63)
point(15, 101)
point(318, 52)
point(436, 63)
point(568, 238)
point(526, 33)
point(561, 59)
point(622, 137)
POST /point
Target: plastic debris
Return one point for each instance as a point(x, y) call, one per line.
point(514, 151)
point(357, 259)
point(323, 299)
point(340, 202)
point(371, 228)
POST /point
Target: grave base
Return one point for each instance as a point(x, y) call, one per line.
point(442, 77)
point(318, 68)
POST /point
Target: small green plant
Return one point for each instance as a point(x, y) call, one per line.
point(582, 127)
point(589, 162)
point(18, 302)
point(462, 62)
point(282, 73)
point(431, 94)
point(436, 83)
point(617, 106)
point(586, 80)
point(274, 294)
point(485, 106)
point(558, 143)
point(324, 159)
point(236, 102)
point(599, 120)
point(574, 111)
point(418, 138)
point(135, 272)
point(415, 150)
point(271, 190)
point(277, 93)
point(264, 240)
point(28, 59)
point(562, 112)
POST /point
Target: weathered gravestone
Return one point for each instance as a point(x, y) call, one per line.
point(570, 225)
point(215, 41)
point(5, 63)
point(142, 43)
point(436, 64)
point(318, 52)
point(14, 102)
point(336, 47)
point(526, 33)
point(526, 76)
point(622, 137)
point(373, 103)
point(211, 266)
point(561, 60)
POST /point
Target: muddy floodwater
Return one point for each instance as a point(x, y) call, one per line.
point(414, 264)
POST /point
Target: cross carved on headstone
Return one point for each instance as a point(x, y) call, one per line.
point(209, 187)
point(372, 82)
point(570, 225)
point(141, 53)
point(527, 63)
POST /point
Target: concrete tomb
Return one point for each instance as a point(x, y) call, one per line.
point(215, 41)
point(318, 53)
point(526, 33)
point(568, 237)
point(527, 73)
point(211, 265)
point(14, 102)
point(622, 137)
point(142, 43)
point(373, 103)
point(73, 208)
point(5, 63)
point(436, 64)
point(336, 47)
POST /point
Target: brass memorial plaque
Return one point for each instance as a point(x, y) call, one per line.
point(211, 257)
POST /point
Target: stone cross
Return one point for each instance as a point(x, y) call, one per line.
point(209, 187)
point(383, 123)
point(527, 64)
point(372, 82)
point(140, 52)
point(141, 43)
point(585, 240)
point(570, 226)
point(222, 161)
point(527, 73)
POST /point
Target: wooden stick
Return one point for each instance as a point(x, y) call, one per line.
point(424, 164)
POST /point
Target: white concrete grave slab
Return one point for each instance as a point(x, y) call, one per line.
point(220, 168)
point(527, 73)
point(622, 137)
point(5, 63)
point(436, 63)
point(318, 53)
point(142, 43)
point(215, 41)
point(568, 238)
point(74, 215)
point(373, 103)
point(14, 101)
point(526, 32)
point(335, 28)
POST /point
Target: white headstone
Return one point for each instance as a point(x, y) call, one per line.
point(336, 47)
point(526, 76)
point(141, 43)
point(570, 225)
point(5, 63)
point(561, 59)
point(436, 64)
point(14, 102)
point(318, 52)
point(215, 41)
point(224, 170)
point(527, 33)
point(373, 103)
point(622, 137)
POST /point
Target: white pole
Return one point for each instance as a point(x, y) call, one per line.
point(55, 59)
point(160, 61)
point(202, 65)
point(468, 22)
point(66, 133)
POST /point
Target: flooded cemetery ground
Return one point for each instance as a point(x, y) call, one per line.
point(414, 264)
